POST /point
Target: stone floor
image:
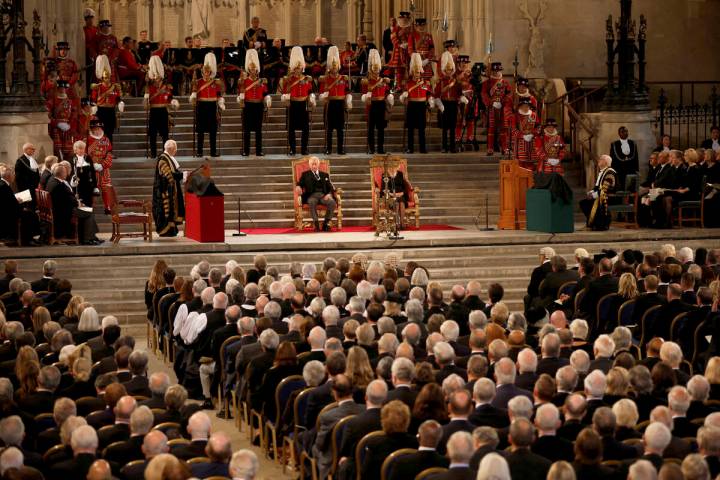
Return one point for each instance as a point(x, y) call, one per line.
point(268, 469)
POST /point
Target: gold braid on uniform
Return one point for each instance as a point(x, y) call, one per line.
point(602, 200)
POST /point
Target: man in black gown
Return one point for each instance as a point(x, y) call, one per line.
point(65, 205)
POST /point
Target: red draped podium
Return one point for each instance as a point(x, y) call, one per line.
point(205, 218)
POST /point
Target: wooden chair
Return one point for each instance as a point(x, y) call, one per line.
point(223, 399)
point(625, 313)
point(93, 416)
point(124, 470)
point(299, 408)
point(602, 315)
point(695, 205)
point(412, 211)
point(633, 442)
point(158, 411)
point(176, 442)
point(198, 460)
point(301, 222)
point(45, 215)
point(391, 460)
point(335, 439)
point(87, 405)
point(647, 319)
point(43, 421)
point(120, 217)
point(165, 427)
point(360, 451)
point(110, 449)
point(578, 298)
point(162, 322)
point(282, 394)
point(314, 474)
point(430, 473)
point(52, 451)
point(567, 288)
point(625, 202)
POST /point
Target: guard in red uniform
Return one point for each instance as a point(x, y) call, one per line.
point(421, 41)
point(417, 95)
point(465, 128)
point(379, 100)
point(107, 95)
point(158, 100)
point(550, 149)
point(99, 148)
point(230, 69)
point(399, 36)
point(254, 99)
point(526, 127)
point(90, 31)
point(85, 115)
point(497, 97)
point(207, 99)
point(107, 44)
point(335, 91)
point(448, 93)
point(62, 109)
point(66, 67)
point(452, 47)
point(348, 60)
point(522, 90)
point(128, 67)
point(296, 88)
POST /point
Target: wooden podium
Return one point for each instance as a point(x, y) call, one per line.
point(514, 182)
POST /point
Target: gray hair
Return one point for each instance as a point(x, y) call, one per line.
point(520, 407)
point(313, 373)
point(141, 420)
point(477, 319)
point(403, 369)
point(695, 467)
point(527, 360)
point(67, 428)
point(317, 337)
point(338, 296)
point(11, 458)
point(505, 371)
point(579, 328)
point(388, 343)
point(269, 339)
point(622, 336)
point(386, 325)
point(450, 330)
point(547, 417)
point(486, 436)
point(580, 361)
point(657, 436)
point(356, 304)
point(595, 383)
point(699, 388)
point(273, 311)
point(460, 447)
point(443, 352)
point(566, 378)
point(642, 470)
point(12, 431)
point(50, 266)
point(517, 321)
point(376, 392)
point(244, 465)
point(414, 310)
point(84, 438)
point(484, 390)
point(331, 315)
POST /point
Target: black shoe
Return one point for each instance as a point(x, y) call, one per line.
point(423, 150)
point(327, 152)
point(246, 154)
point(221, 414)
point(370, 151)
point(341, 152)
point(381, 151)
point(207, 405)
point(317, 226)
point(407, 150)
point(444, 150)
point(291, 153)
point(107, 211)
point(96, 239)
point(259, 154)
point(326, 227)
point(304, 152)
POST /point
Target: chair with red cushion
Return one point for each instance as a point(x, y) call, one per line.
point(302, 210)
point(120, 217)
point(412, 211)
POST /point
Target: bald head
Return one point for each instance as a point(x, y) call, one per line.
point(124, 408)
point(99, 470)
point(199, 426)
point(219, 448)
point(154, 443)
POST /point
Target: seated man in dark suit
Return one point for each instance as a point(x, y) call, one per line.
point(597, 289)
point(43, 284)
point(102, 345)
point(158, 385)
point(65, 205)
point(485, 414)
point(555, 279)
point(505, 380)
point(84, 442)
point(538, 275)
point(402, 374)
point(648, 299)
point(678, 403)
point(121, 429)
point(315, 187)
point(42, 399)
point(199, 430)
point(64, 408)
point(459, 408)
point(154, 444)
point(522, 462)
point(138, 384)
point(550, 360)
point(667, 313)
point(548, 444)
point(13, 212)
point(655, 440)
point(604, 422)
point(219, 451)
point(141, 421)
point(460, 448)
point(409, 466)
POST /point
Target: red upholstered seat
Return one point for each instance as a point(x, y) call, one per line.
point(298, 168)
point(376, 171)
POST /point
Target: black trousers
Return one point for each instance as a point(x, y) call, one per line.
point(416, 121)
point(207, 123)
point(87, 227)
point(330, 205)
point(107, 116)
point(252, 122)
point(449, 122)
point(335, 120)
point(376, 121)
point(158, 125)
point(298, 119)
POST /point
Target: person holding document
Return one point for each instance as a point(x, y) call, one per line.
point(65, 205)
point(18, 221)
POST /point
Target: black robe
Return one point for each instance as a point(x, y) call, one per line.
point(87, 180)
point(168, 201)
point(596, 210)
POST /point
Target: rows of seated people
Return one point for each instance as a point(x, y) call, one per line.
point(379, 343)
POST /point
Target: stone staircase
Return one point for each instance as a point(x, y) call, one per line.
point(114, 283)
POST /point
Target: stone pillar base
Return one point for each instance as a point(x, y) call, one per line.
point(19, 128)
point(606, 124)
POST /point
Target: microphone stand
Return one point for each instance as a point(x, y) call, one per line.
point(239, 233)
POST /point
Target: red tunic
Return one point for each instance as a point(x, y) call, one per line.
point(208, 90)
point(84, 117)
point(298, 86)
point(524, 125)
point(100, 150)
point(62, 111)
point(549, 146)
point(107, 44)
point(254, 90)
point(448, 88)
point(90, 40)
point(106, 94)
point(159, 96)
point(67, 70)
point(377, 87)
point(422, 43)
point(337, 86)
point(497, 90)
point(418, 90)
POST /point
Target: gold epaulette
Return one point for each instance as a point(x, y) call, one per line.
point(364, 81)
point(94, 85)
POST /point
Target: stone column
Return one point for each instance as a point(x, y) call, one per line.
point(367, 16)
point(143, 19)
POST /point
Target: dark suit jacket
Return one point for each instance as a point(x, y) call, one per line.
point(410, 466)
point(63, 203)
point(116, 433)
point(194, 449)
point(666, 314)
point(682, 427)
point(505, 392)
point(41, 284)
point(126, 452)
point(487, 415)
point(643, 303)
point(310, 185)
point(538, 275)
point(405, 394)
point(47, 439)
point(527, 465)
point(526, 380)
point(317, 399)
point(553, 282)
point(210, 469)
point(138, 385)
point(155, 401)
point(450, 428)
point(448, 370)
point(615, 450)
point(37, 402)
point(378, 448)
point(456, 473)
point(592, 472)
point(355, 429)
point(25, 177)
point(597, 289)
point(76, 468)
point(601, 363)
point(134, 472)
point(553, 448)
point(570, 430)
point(322, 448)
point(203, 344)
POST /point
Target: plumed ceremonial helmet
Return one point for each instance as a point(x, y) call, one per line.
point(102, 66)
point(447, 62)
point(251, 58)
point(89, 13)
point(333, 57)
point(374, 59)
point(416, 63)
point(210, 63)
point(297, 60)
point(155, 68)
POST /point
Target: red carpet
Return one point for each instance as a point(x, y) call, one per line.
point(361, 228)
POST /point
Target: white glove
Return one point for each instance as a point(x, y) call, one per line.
point(175, 104)
point(365, 97)
point(185, 175)
point(146, 96)
point(98, 167)
point(285, 97)
point(93, 109)
point(268, 101)
point(257, 45)
point(121, 106)
point(64, 126)
point(390, 99)
point(554, 161)
point(96, 191)
point(240, 98)
point(432, 102)
point(403, 97)
point(439, 105)
point(348, 101)
point(221, 103)
point(425, 62)
point(404, 45)
point(464, 100)
point(594, 194)
point(313, 100)
point(497, 105)
point(528, 137)
point(324, 95)
point(193, 97)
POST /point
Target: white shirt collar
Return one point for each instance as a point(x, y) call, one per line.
point(625, 146)
point(81, 162)
point(31, 160)
point(175, 162)
point(426, 449)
